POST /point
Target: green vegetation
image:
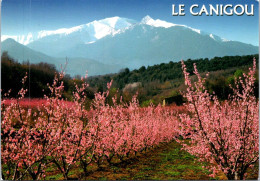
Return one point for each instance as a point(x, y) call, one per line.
point(165, 162)
point(153, 83)
point(12, 73)
point(172, 70)
point(39, 75)
point(164, 81)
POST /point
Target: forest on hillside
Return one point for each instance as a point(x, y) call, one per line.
point(153, 83)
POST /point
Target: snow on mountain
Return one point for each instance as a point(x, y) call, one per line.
point(159, 23)
point(101, 30)
point(64, 31)
point(154, 41)
point(156, 23)
point(94, 30)
point(97, 29)
point(107, 45)
point(212, 36)
point(90, 32)
point(217, 38)
point(117, 22)
point(51, 42)
point(111, 21)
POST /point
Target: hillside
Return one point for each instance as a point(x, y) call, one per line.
point(22, 53)
point(166, 79)
point(143, 45)
point(154, 83)
point(76, 66)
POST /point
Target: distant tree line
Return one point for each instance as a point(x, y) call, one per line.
point(157, 78)
point(39, 75)
point(172, 70)
point(156, 82)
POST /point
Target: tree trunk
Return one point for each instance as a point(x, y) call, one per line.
point(236, 176)
point(230, 175)
point(241, 175)
point(65, 175)
point(84, 166)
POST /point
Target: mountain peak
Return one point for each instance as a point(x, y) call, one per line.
point(112, 21)
point(146, 19)
point(156, 23)
point(10, 41)
point(23, 39)
point(160, 23)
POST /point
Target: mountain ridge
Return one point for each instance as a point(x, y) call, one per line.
point(110, 22)
point(76, 65)
point(118, 42)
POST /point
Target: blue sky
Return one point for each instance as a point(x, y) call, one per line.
point(23, 16)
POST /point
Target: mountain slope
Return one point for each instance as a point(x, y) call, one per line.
point(144, 44)
point(21, 53)
point(107, 45)
point(53, 42)
point(76, 66)
point(79, 66)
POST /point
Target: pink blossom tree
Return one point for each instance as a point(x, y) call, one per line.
point(222, 133)
point(24, 146)
point(69, 122)
point(61, 133)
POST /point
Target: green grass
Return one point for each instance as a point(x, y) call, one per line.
point(173, 174)
point(147, 168)
point(166, 162)
point(55, 177)
point(103, 178)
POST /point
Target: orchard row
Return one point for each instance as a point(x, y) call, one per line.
point(65, 134)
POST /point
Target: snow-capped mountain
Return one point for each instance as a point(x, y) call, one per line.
point(121, 42)
point(96, 30)
point(159, 23)
point(155, 41)
point(55, 41)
